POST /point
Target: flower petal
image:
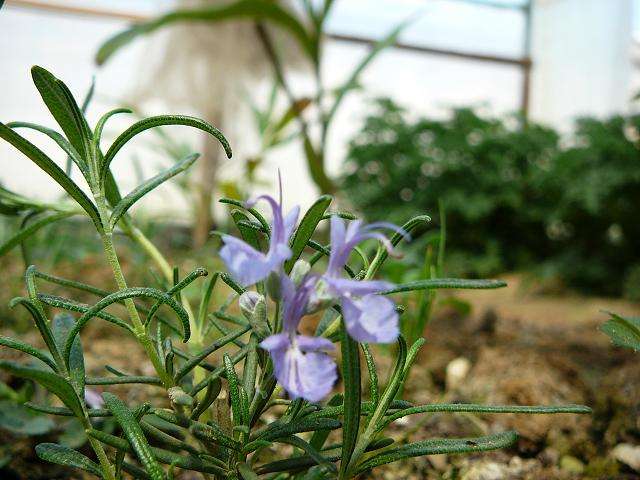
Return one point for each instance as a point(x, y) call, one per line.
point(313, 344)
point(344, 287)
point(279, 341)
point(371, 319)
point(305, 375)
point(246, 264)
point(290, 221)
point(301, 369)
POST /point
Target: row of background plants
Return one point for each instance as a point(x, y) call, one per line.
point(517, 196)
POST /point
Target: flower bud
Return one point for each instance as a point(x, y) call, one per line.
point(299, 271)
point(248, 302)
point(254, 309)
point(179, 397)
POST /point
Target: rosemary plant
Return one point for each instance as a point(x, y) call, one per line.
point(266, 368)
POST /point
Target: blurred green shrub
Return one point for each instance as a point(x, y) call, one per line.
point(516, 196)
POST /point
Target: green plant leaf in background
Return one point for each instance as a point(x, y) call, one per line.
point(258, 10)
point(53, 382)
point(23, 421)
point(623, 331)
point(61, 325)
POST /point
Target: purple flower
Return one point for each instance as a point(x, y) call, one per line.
point(368, 317)
point(248, 265)
point(301, 363)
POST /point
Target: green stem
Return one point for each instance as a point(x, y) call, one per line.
point(107, 468)
point(161, 262)
point(138, 326)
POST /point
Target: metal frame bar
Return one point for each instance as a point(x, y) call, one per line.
point(524, 63)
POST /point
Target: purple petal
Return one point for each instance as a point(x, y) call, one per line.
point(371, 319)
point(305, 375)
point(272, 343)
point(93, 399)
point(344, 287)
point(301, 366)
point(295, 301)
point(290, 221)
point(246, 264)
point(313, 344)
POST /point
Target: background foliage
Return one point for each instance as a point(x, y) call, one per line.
point(516, 196)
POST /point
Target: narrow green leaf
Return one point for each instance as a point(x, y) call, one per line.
point(61, 455)
point(97, 133)
point(62, 142)
point(488, 409)
point(319, 437)
point(246, 473)
point(140, 191)
point(352, 397)
point(116, 297)
point(393, 384)
point(277, 430)
point(33, 228)
point(248, 234)
point(72, 306)
point(307, 227)
point(66, 412)
point(382, 253)
point(295, 464)
point(219, 343)
point(43, 327)
point(124, 379)
point(257, 10)
point(258, 216)
point(166, 439)
point(64, 109)
point(219, 372)
point(176, 289)
point(163, 456)
point(310, 451)
point(71, 283)
point(134, 435)
point(61, 325)
point(53, 382)
point(373, 374)
point(213, 390)
point(439, 446)
point(205, 299)
point(239, 414)
point(623, 331)
point(54, 171)
point(29, 350)
point(159, 121)
point(449, 283)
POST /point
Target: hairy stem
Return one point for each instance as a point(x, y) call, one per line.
point(138, 325)
point(107, 468)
